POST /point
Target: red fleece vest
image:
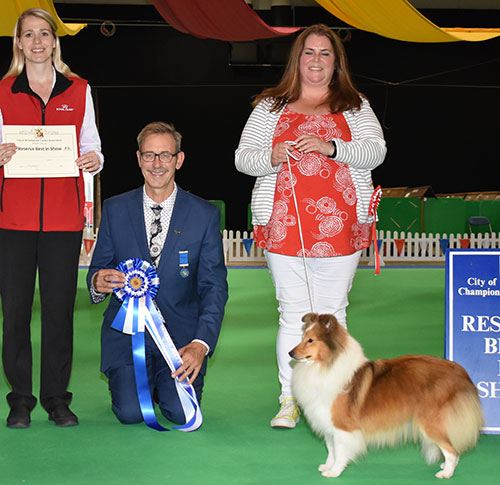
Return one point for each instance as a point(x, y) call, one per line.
point(49, 204)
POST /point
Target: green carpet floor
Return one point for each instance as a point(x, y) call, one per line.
point(400, 311)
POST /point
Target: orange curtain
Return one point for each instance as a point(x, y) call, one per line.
point(397, 19)
point(11, 9)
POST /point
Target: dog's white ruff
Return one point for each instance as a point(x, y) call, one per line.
point(315, 388)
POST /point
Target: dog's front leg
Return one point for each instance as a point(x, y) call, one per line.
point(330, 458)
point(348, 445)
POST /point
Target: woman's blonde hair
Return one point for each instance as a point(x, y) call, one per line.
point(17, 63)
point(342, 93)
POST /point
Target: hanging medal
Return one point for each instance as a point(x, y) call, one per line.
point(184, 263)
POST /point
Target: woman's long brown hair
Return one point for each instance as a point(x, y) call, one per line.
point(342, 93)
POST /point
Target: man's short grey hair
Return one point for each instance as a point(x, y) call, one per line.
point(160, 128)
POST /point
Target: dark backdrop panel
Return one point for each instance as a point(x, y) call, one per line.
point(210, 130)
point(437, 103)
point(441, 136)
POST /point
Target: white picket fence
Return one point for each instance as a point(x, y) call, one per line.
point(400, 248)
point(397, 247)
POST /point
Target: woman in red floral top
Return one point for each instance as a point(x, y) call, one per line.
point(316, 136)
point(324, 190)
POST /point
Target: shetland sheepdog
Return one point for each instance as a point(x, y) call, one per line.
point(353, 402)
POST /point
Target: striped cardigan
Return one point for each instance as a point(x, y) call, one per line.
point(362, 154)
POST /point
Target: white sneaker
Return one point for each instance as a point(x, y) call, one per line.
point(288, 415)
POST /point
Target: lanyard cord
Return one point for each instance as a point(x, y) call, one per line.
point(289, 155)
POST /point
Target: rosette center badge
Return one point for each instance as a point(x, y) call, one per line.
point(141, 279)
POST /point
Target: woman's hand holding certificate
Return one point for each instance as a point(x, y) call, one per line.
point(42, 151)
point(6, 152)
point(89, 162)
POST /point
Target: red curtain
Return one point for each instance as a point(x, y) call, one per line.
point(231, 20)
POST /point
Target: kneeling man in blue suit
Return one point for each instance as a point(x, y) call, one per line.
point(179, 234)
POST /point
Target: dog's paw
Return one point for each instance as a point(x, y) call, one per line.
point(443, 474)
point(332, 472)
point(448, 467)
point(329, 463)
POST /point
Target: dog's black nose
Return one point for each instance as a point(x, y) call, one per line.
point(291, 354)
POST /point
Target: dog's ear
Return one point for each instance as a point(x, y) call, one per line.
point(309, 316)
point(327, 320)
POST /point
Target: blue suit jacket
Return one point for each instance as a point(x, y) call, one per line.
point(192, 306)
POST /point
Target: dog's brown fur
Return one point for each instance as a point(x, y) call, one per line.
point(381, 402)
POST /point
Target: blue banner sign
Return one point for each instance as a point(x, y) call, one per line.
point(473, 323)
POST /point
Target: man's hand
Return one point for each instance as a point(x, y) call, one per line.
point(193, 355)
point(106, 279)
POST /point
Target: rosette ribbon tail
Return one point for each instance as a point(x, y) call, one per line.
point(138, 312)
point(142, 383)
point(375, 200)
point(157, 330)
point(375, 245)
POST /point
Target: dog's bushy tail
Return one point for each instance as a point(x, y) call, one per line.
point(464, 420)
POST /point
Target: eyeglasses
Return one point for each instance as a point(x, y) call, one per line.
point(165, 157)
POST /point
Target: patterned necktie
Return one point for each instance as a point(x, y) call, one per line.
point(156, 229)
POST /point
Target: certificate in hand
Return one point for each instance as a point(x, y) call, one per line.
point(42, 151)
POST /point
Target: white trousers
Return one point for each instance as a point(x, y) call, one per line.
point(330, 280)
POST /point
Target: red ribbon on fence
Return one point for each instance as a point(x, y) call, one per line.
point(88, 243)
point(400, 244)
point(464, 243)
point(372, 211)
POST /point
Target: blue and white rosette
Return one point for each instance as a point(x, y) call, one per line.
point(137, 313)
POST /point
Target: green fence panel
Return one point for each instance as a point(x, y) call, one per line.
point(472, 208)
point(485, 208)
point(249, 218)
point(431, 215)
point(222, 207)
point(445, 216)
point(400, 214)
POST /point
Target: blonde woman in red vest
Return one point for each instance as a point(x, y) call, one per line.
point(41, 220)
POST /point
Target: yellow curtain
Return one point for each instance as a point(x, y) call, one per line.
point(12, 8)
point(397, 19)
